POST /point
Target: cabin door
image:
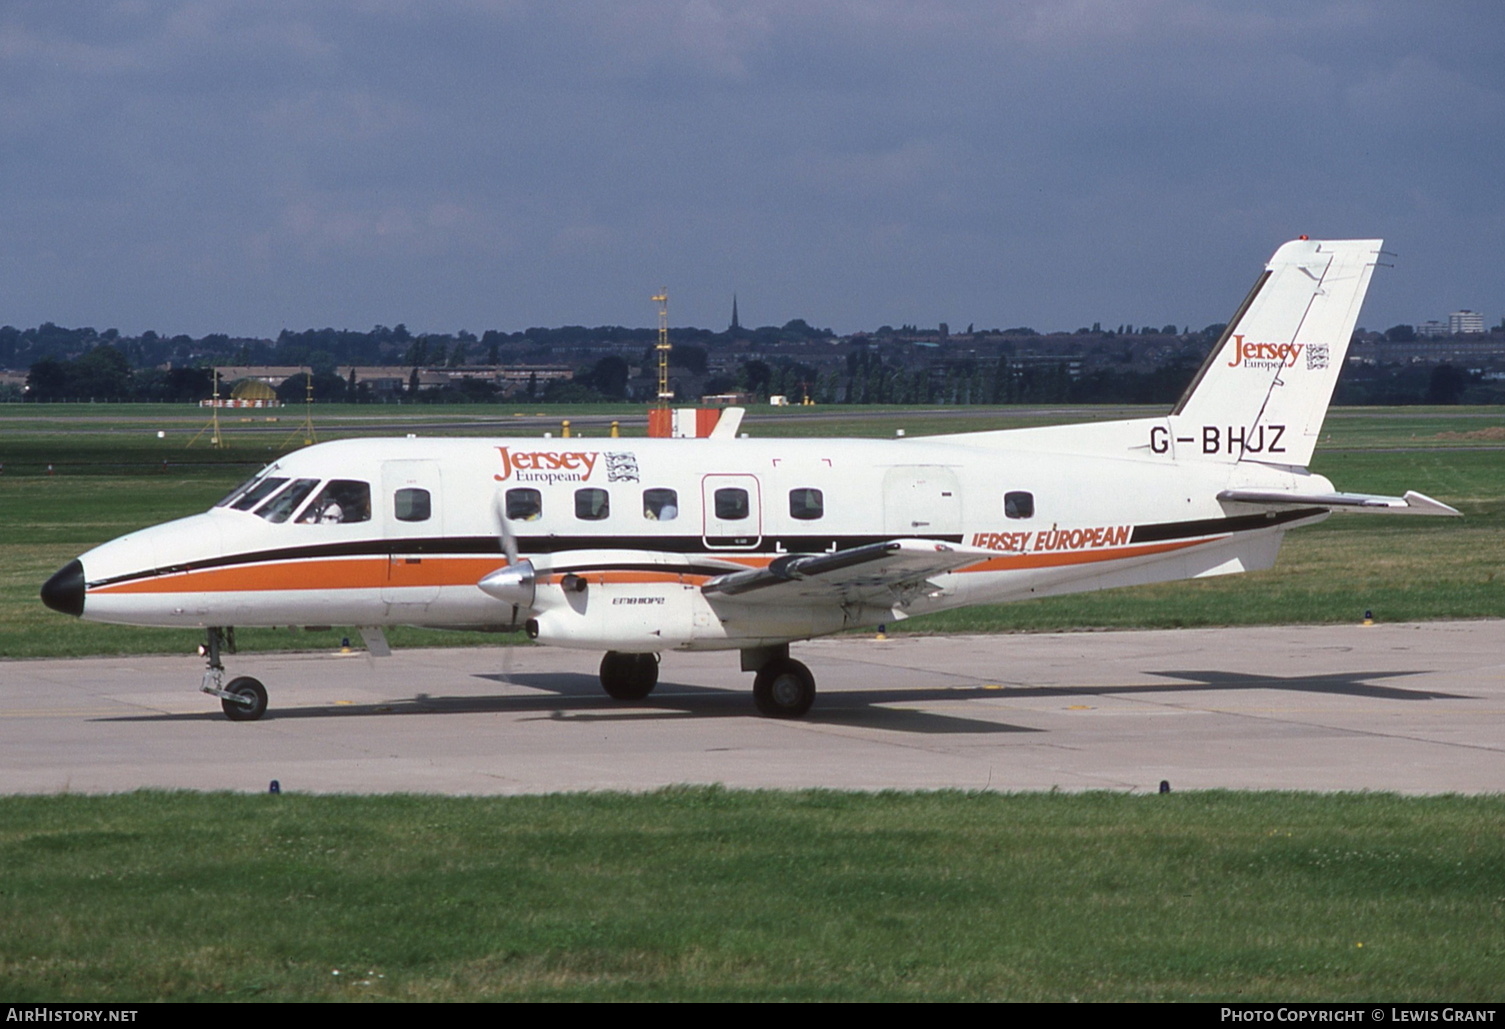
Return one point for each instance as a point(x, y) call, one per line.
point(412, 504)
point(923, 501)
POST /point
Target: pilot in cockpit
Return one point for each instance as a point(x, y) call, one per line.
point(342, 501)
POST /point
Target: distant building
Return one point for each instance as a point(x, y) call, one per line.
point(1464, 322)
point(1431, 330)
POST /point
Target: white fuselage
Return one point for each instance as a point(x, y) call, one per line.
point(643, 524)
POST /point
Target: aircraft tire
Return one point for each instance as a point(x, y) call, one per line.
point(784, 689)
point(628, 676)
point(251, 689)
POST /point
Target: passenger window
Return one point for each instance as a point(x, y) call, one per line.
point(731, 504)
point(412, 505)
point(806, 504)
point(524, 505)
point(281, 507)
point(660, 505)
point(343, 500)
point(1018, 504)
point(257, 493)
point(592, 505)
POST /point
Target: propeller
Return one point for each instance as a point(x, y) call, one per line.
point(516, 582)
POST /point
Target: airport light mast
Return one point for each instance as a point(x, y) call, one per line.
point(664, 393)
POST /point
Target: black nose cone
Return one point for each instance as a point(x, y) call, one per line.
point(65, 590)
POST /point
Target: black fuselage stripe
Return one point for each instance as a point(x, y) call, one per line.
point(458, 546)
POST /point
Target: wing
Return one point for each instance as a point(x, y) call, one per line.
point(881, 572)
point(1412, 503)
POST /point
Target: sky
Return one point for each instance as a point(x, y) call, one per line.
point(208, 166)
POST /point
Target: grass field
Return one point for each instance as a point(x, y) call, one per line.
point(706, 894)
point(109, 478)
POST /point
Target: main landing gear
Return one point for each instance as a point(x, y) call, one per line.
point(782, 688)
point(243, 699)
point(628, 676)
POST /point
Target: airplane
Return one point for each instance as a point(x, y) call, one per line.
point(637, 547)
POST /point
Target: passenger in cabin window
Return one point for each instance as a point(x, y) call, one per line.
point(660, 505)
point(524, 505)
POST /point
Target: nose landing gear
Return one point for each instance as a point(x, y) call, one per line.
point(245, 698)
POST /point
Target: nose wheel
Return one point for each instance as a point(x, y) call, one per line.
point(244, 699)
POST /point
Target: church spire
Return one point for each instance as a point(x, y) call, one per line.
point(736, 326)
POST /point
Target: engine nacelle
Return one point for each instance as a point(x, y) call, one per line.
point(617, 616)
point(651, 617)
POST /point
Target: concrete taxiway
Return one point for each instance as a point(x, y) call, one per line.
point(1411, 708)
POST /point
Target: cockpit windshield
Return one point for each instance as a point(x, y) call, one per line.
point(277, 498)
point(258, 491)
point(238, 490)
point(281, 507)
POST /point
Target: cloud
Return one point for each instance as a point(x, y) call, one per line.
point(1047, 162)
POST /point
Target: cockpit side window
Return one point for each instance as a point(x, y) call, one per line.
point(343, 500)
point(257, 493)
point(281, 507)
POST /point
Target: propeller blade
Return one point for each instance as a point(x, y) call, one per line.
point(509, 541)
point(515, 582)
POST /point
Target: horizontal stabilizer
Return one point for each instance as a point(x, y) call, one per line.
point(877, 571)
point(1412, 503)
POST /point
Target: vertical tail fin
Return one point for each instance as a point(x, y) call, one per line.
point(1263, 392)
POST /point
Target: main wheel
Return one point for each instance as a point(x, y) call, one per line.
point(628, 676)
point(784, 689)
point(252, 703)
